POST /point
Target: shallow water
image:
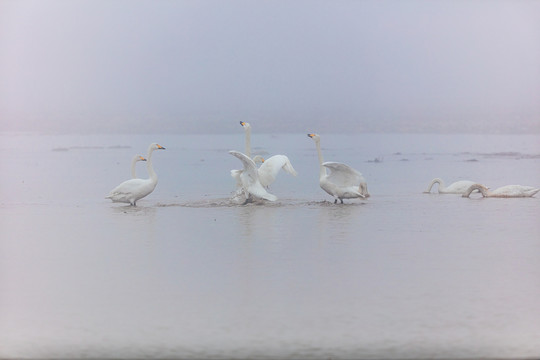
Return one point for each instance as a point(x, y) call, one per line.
point(188, 274)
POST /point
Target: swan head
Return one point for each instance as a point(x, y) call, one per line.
point(258, 158)
point(315, 137)
point(362, 189)
point(156, 146)
point(245, 125)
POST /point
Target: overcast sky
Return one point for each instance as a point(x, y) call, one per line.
point(284, 66)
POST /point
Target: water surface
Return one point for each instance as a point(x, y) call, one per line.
point(188, 274)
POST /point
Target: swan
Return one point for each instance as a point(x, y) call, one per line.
point(508, 191)
point(134, 161)
point(458, 187)
point(249, 178)
point(343, 182)
point(270, 167)
point(134, 189)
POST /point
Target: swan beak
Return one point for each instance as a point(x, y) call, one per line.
point(242, 123)
point(160, 147)
point(311, 135)
point(141, 158)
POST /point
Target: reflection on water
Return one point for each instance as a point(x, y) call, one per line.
point(135, 210)
point(189, 274)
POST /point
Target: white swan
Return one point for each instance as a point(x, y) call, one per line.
point(249, 178)
point(134, 161)
point(343, 182)
point(458, 187)
point(270, 167)
point(134, 189)
point(508, 191)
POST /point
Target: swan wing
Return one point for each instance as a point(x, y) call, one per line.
point(343, 175)
point(269, 169)
point(236, 175)
point(249, 165)
point(128, 187)
point(132, 190)
point(256, 189)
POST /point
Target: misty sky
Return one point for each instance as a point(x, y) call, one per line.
point(284, 66)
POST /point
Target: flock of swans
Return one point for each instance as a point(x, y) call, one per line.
point(337, 179)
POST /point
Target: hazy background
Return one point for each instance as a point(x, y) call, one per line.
point(286, 66)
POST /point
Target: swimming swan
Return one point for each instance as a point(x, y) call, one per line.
point(508, 191)
point(270, 167)
point(459, 187)
point(134, 189)
point(134, 161)
point(343, 182)
point(249, 178)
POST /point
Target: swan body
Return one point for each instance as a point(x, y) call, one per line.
point(249, 178)
point(134, 161)
point(343, 182)
point(270, 167)
point(458, 187)
point(508, 191)
point(134, 189)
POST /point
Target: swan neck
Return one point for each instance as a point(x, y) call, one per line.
point(133, 171)
point(476, 187)
point(322, 170)
point(436, 181)
point(248, 142)
point(149, 166)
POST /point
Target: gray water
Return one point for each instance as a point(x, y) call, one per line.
point(188, 274)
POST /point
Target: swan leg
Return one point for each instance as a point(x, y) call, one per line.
point(335, 201)
point(249, 199)
point(341, 200)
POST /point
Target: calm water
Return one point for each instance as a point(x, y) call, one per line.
point(187, 274)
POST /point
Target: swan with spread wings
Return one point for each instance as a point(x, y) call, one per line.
point(248, 179)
